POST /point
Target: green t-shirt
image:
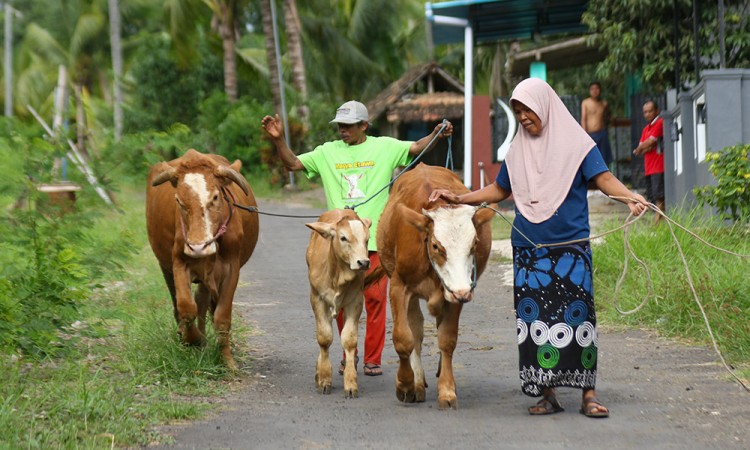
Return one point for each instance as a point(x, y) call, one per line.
point(351, 174)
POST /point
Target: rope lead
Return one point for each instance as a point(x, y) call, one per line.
point(629, 251)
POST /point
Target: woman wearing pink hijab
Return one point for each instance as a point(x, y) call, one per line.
point(547, 168)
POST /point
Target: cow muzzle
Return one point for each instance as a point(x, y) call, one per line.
point(459, 295)
point(200, 250)
point(361, 264)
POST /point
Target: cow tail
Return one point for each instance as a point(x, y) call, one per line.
point(374, 276)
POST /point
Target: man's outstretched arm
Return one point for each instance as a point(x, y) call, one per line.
point(273, 128)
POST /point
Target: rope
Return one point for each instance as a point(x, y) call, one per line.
point(254, 209)
point(409, 166)
point(449, 155)
point(629, 250)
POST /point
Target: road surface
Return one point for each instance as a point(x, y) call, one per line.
point(661, 394)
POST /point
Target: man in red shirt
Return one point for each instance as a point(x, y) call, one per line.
point(651, 147)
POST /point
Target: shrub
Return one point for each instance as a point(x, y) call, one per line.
point(49, 260)
point(731, 195)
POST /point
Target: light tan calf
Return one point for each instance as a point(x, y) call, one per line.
point(337, 261)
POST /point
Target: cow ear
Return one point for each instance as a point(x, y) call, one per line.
point(236, 165)
point(415, 219)
point(482, 216)
point(366, 221)
point(324, 229)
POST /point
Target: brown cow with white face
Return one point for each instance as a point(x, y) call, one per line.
point(337, 260)
point(431, 251)
point(199, 237)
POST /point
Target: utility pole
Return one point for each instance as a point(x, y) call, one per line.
point(114, 32)
point(284, 118)
point(722, 45)
point(8, 59)
point(696, 54)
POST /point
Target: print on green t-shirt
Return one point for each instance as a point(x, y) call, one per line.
point(351, 174)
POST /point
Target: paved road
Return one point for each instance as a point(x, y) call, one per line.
point(661, 394)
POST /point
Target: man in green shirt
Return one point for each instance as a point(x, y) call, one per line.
point(352, 170)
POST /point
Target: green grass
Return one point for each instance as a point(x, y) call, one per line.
point(501, 227)
point(125, 372)
point(721, 283)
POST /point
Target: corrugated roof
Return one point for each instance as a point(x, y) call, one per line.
point(498, 20)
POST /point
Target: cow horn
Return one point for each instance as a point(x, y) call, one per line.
point(228, 172)
point(167, 173)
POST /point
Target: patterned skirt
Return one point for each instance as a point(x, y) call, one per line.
point(554, 302)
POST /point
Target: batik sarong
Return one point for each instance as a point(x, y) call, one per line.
point(555, 318)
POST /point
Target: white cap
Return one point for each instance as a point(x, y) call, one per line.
point(351, 112)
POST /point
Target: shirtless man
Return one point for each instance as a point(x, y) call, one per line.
point(595, 119)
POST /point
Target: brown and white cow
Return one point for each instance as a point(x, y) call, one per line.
point(199, 237)
point(337, 260)
point(432, 251)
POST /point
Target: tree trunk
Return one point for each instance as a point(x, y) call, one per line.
point(267, 19)
point(230, 69)
point(294, 42)
point(114, 32)
point(227, 33)
point(80, 122)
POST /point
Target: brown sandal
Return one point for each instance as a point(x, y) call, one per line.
point(589, 405)
point(372, 370)
point(547, 405)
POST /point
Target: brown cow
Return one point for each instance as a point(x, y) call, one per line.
point(337, 261)
point(199, 237)
point(434, 254)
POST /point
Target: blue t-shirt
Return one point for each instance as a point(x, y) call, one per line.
point(571, 220)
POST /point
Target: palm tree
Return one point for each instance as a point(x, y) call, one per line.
point(270, 43)
point(224, 22)
point(354, 48)
point(294, 43)
point(114, 32)
point(75, 37)
point(184, 15)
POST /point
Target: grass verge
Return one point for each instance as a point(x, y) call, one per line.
point(124, 371)
point(720, 281)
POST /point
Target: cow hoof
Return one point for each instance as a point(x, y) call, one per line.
point(351, 393)
point(444, 404)
point(420, 395)
point(406, 396)
point(324, 386)
point(232, 366)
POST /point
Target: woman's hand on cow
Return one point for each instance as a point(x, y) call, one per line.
point(449, 196)
point(272, 126)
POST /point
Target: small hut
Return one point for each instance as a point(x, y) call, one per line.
point(411, 107)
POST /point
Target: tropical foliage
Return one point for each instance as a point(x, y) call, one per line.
point(731, 194)
point(655, 37)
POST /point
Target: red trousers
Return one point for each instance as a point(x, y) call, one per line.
point(375, 303)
